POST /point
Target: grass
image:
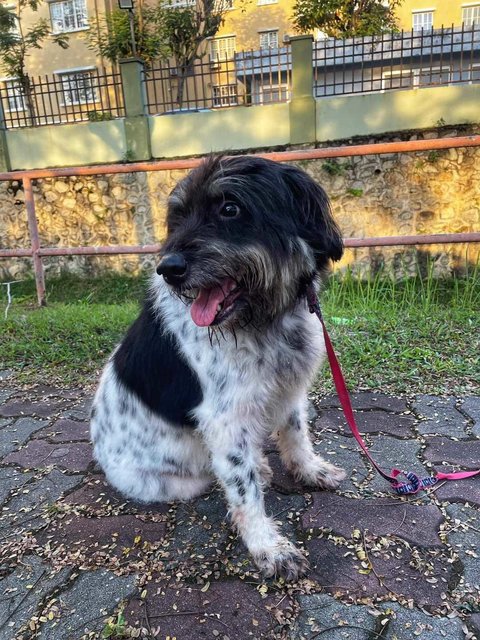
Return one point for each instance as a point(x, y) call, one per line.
point(419, 335)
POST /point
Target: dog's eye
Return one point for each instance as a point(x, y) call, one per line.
point(229, 210)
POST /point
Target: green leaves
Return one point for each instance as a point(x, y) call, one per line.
point(345, 18)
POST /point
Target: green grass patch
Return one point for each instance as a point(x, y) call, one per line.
point(415, 336)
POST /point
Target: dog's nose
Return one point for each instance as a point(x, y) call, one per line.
point(173, 267)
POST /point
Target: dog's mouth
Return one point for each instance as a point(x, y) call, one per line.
point(213, 305)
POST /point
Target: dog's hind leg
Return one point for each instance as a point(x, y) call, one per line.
point(298, 456)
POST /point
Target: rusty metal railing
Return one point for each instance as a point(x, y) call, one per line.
point(37, 252)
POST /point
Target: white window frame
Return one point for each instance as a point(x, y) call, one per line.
point(181, 4)
point(419, 14)
point(227, 95)
point(267, 33)
point(12, 7)
point(271, 88)
point(415, 75)
point(79, 16)
point(223, 5)
point(14, 95)
point(70, 86)
point(261, 3)
point(230, 47)
point(472, 19)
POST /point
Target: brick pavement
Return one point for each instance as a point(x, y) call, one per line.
point(79, 561)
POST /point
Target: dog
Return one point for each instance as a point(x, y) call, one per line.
point(224, 350)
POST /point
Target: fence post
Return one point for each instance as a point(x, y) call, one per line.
point(302, 104)
point(137, 132)
point(34, 240)
point(4, 155)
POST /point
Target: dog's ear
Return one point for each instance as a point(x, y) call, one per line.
point(314, 216)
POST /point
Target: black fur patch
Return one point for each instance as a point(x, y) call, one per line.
point(150, 365)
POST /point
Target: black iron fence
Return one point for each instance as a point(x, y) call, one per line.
point(246, 78)
point(75, 96)
point(403, 60)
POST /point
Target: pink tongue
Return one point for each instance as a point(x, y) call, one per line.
point(204, 307)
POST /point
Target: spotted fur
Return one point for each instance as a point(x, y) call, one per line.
point(181, 405)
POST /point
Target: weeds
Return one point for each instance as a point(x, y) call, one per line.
point(414, 335)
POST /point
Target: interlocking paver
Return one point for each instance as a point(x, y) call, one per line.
point(75, 456)
point(22, 592)
point(399, 426)
point(14, 435)
point(379, 563)
point(441, 416)
point(379, 516)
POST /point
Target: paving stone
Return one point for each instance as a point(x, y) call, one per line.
point(22, 592)
point(368, 422)
point(65, 430)
point(320, 612)
point(368, 400)
point(10, 479)
point(232, 609)
point(411, 624)
point(463, 453)
point(464, 540)
point(339, 574)
point(47, 391)
point(282, 480)
point(441, 416)
point(391, 453)
point(107, 535)
point(344, 453)
point(5, 373)
point(471, 406)
point(18, 408)
point(11, 437)
point(81, 411)
point(5, 394)
point(25, 510)
point(83, 605)
point(467, 490)
point(40, 454)
point(380, 516)
point(475, 622)
point(4, 422)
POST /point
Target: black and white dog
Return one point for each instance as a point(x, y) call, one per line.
point(224, 350)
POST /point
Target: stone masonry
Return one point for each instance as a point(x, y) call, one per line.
point(78, 561)
point(394, 194)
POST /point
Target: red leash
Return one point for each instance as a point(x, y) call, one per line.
point(414, 483)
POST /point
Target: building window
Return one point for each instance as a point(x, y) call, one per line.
point(269, 39)
point(404, 79)
point(222, 48)
point(261, 2)
point(471, 15)
point(422, 20)
point(273, 93)
point(223, 5)
point(78, 88)
point(181, 4)
point(225, 95)
point(433, 77)
point(15, 96)
point(70, 15)
point(412, 78)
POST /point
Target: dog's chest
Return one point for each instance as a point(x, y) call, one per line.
point(254, 368)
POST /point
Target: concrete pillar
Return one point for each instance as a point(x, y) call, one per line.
point(302, 104)
point(4, 155)
point(137, 133)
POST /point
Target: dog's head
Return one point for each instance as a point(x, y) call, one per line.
point(245, 237)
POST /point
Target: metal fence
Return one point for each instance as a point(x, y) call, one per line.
point(403, 60)
point(91, 95)
point(246, 78)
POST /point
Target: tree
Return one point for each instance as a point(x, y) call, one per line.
point(345, 18)
point(162, 31)
point(17, 42)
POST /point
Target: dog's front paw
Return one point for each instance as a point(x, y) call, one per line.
point(319, 473)
point(284, 560)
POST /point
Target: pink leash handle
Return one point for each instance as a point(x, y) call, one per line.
point(414, 484)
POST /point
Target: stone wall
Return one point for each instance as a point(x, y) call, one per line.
point(395, 194)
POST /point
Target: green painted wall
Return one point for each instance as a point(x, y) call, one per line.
point(66, 145)
point(348, 116)
point(190, 134)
